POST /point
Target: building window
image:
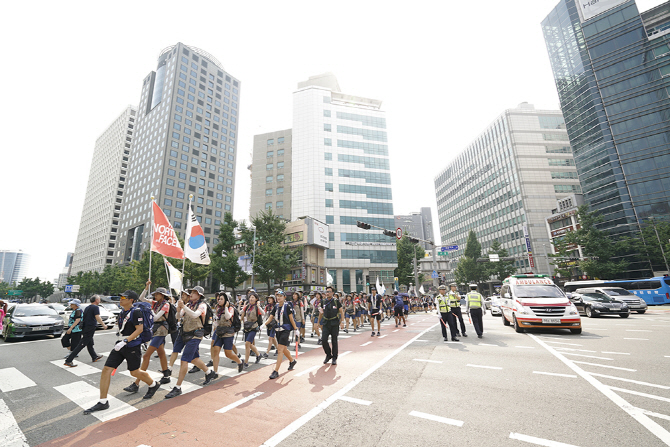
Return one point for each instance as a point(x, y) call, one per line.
point(280, 165)
point(326, 113)
point(167, 202)
point(280, 177)
point(561, 162)
point(280, 152)
point(330, 220)
point(564, 175)
point(269, 166)
point(329, 187)
point(327, 142)
point(331, 236)
point(268, 179)
point(271, 142)
point(326, 127)
point(270, 154)
point(327, 155)
point(329, 203)
point(280, 191)
point(567, 189)
point(268, 192)
point(280, 140)
point(329, 172)
point(280, 204)
point(268, 205)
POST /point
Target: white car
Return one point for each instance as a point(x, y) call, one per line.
point(107, 317)
point(496, 310)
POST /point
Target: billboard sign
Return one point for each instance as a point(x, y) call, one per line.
point(591, 8)
point(318, 234)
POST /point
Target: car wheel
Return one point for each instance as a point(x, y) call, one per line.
point(505, 320)
point(641, 311)
point(576, 331)
point(6, 335)
point(517, 328)
point(589, 312)
point(625, 315)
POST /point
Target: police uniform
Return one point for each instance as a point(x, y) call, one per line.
point(445, 316)
point(474, 302)
point(331, 326)
point(455, 305)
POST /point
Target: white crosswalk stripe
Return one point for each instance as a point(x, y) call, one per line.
point(11, 379)
point(86, 395)
point(10, 433)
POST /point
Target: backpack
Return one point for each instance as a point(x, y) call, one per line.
point(147, 321)
point(398, 301)
point(237, 322)
point(172, 319)
point(209, 318)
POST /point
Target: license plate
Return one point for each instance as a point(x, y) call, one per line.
point(551, 321)
point(41, 328)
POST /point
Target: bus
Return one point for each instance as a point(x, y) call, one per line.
point(653, 291)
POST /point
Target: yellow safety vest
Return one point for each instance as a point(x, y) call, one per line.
point(474, 300)
point(454, 299)
point(443, 304)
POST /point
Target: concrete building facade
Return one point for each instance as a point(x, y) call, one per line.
point(97, 238)
point(271, 177)
point(419, 225)
point(13, 266)
point(185, 143)
point(505, 184)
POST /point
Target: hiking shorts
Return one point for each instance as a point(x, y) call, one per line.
point(299, 324)
point(283, 337)
point(377, 312)
point(190, 351)
point(249, 336)
point(398, 312)
point(225, 342)
point(271, 333)
point(157, 341)
point(133, 356)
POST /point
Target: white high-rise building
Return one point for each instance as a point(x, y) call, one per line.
point(99, 225)
point(13, 266)
point(341, 175)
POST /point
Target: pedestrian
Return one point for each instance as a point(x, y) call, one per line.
point(349, 313)
point(272, 341)
point(375, 310)
point(282, 314)
point(455, 306)
point(223, 332)
point(72, 335)
point(184, 296)
point(398, 310)
point(192, 314)
point(299, 312)
point(3, 312)
point(446, 318)
point(131, 325)
point(316, 318)
point(474, 302)
point(357, 312)
point(160, 308)
point(252, 315)
point(331, 311)
point(91, 319)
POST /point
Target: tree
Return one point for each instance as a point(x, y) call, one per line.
point(468, 269)
point(405, 269)
point(501, 269)
point(4, 289)
point(603, 253)
point(565, 260)
point(46, 289)
point(648, 243)
point(225, 268)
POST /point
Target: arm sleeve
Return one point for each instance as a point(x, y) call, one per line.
point(467, 304)
point(193, 313)
point(228, 312)
point(143, 295)
point(160, 313)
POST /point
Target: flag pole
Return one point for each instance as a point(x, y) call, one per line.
point(167, 274)
point(152, 239)
point(183, 263)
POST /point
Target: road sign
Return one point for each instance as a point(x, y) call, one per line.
point(442, 253)
point(434, 275)
point(15, 292)
point(72, 288)
point(494, 258)
point(398, 233)
point(452, 247)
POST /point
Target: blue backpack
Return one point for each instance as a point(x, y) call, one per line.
point(147, 320)
point(398, 301)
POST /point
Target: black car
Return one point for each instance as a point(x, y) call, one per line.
point(28, 320)
point(593, 304)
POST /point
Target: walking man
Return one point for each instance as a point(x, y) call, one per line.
point(282, 314)
point(375, 303)
point(446, 318)
point(332, 311)
point(91, 319)
point(455, 305)
point(474, 303)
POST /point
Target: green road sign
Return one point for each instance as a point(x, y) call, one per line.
point(15, 293)
point(442, 253)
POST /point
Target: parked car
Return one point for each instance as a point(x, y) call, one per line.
point(28, 320)
point(113, 308)
point(634, 302)
point(63, 311)
point(107, 317)
point(488, 299)
point(593, 304)
point(496, 310)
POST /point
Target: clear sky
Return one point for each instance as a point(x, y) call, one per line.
point(444, 71)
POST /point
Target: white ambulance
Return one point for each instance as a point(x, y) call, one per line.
point(534, 301)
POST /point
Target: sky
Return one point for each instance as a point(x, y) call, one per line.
point(443, 70)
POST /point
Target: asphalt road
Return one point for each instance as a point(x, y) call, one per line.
point(607, 386)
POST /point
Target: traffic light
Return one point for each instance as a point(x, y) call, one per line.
point(413, 240)
point(390, 233)
point(362, 225)
point(367, 280)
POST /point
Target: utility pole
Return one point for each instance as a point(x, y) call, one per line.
point(416, 274)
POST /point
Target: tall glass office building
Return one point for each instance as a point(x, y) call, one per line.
point(341, 175)
point(611, 65)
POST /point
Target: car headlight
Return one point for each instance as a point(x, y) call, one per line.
point(20, 325)
point(573, 310)
point(624, 305)
point(524, 310)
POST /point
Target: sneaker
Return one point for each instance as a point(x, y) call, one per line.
point(346, 331)
point(312, 335)
point(246, 365)
point(378, 334)
point(404, 325)
point(276, 353)
point(292, 365)
point(209, 377)
point(464, 334)
point(265, 355)
point(132, 388)
point(446, 339)
point(302, 339)
point(479, 336)
point(274, 375)
point(97, 358)
point(373, 334)
point(258, 358)
point(240, 367)
point(455, 339)
point(70, 364)
point(319, 342)
point(195, 369)
point(164, 380)
point(152, 390)
point(334, 362)
point(97, 407)
point(174, 393)
point(210, 364)
point(396, 325)
point(328, 357)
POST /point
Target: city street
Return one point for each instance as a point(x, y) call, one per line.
point(605, 387)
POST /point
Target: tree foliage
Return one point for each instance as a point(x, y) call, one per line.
point(655, 234)
point(468, 269)
point(501, 269)
point(405, 270)
point(32, 287)
point(225, 268)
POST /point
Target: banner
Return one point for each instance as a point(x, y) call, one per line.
point(163, 238)
point(195, 245)
point(175, 278)
point(380, 289)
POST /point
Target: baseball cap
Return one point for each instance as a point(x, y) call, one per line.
point(130, 294)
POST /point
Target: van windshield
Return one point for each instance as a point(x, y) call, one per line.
point(617, 291)
point(538, 291)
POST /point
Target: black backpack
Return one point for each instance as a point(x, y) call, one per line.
point(237, 322)
point(172, 319)
point(209, 318)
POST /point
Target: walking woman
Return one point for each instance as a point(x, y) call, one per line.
point(283, 315)
point(272, 342)
point(299, 310)
point(223, 332)
point(349, 312)
point(317, 321)
point(252, 315)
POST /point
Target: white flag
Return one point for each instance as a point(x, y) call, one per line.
point(380, 288)
point(175, 277)
point(195, 246)
point(423, 292)
point(329, 279)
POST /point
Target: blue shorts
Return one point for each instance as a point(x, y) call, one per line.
point(271, 333)
point(406, 308)
point(358, 314)
point(250, 336)
point(157, 341)
point(315, 317)
point(299, 324)
point(321, 321)
point(225, 342)
point(191, 350)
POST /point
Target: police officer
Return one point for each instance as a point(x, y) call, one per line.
point(474, 303)
point(455, 305)
point(446, 318)
point(331, 311)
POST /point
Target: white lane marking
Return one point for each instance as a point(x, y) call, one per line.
point(396, 330)
point(645, 339)
point(143, 445)
point(487, 344)
point(432, 417)
point(613, 352)
point(525, 347)
point(295, 425)
point(427, 361)
point(10, 432)
point(635, 413)
point(420, 340)
point(82, 369)
point(605, 366)
point(12, 379)
point(355, 401)
point(538, 441)
point(366, 343)
point(586, 356)
point(555, 374)
point(561, 343)
point(86, 395)
point(575, 350)
point(484, 366)
point(638, 330)
point(382, 336)
point(308, 370)
point(344, 353)
point(663, 387)
point(656, 415)
point(667, 356)
point(449, 342)
point(637, 393)
point(238, 403)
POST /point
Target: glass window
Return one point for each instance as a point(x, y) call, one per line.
point(268, 192)
point(280, 164)
point(329, 203)
point(280, 190)
point(327, 142)
point(326, 113)
point(268, 179)
point(269, 166)
point(279, 152)
point(329, 172)
point(268, 205)
point(280, 140)
point(280, 177)
point(280, 204)
point(327, 127)
point(329, 187)
point(328, 155)
point(271, 141)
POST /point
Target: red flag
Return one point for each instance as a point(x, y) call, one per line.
point(164, 239)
